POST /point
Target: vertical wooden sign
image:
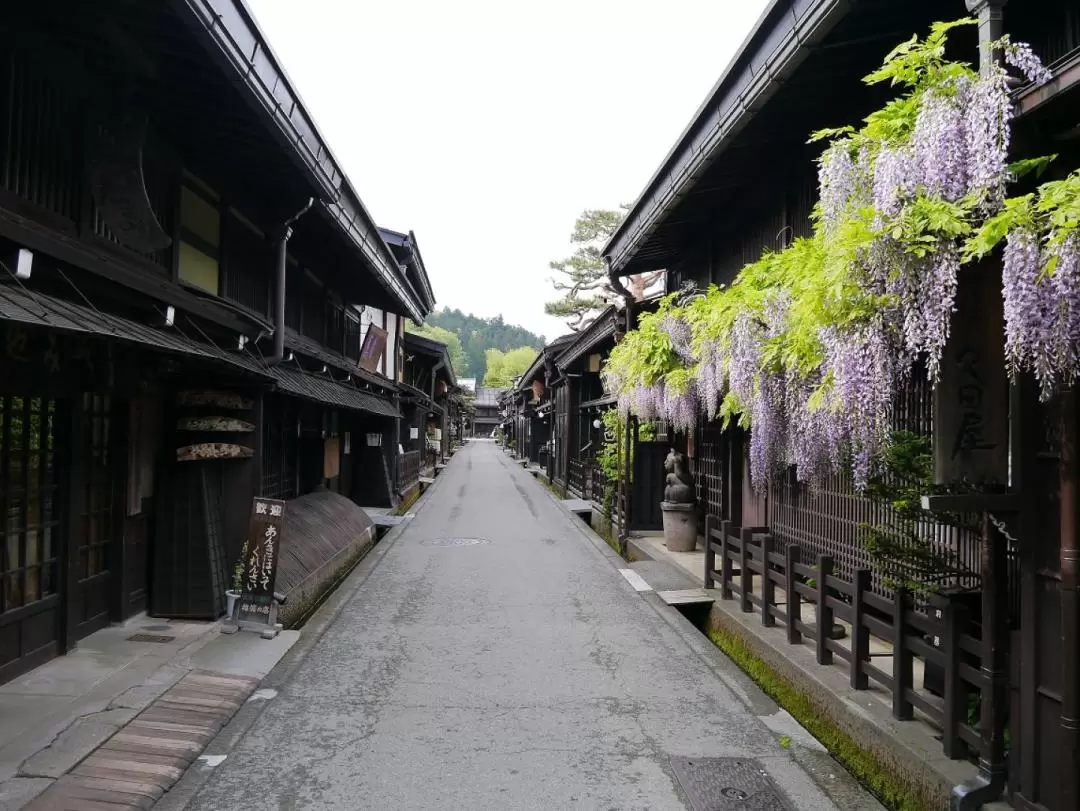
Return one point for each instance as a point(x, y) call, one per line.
point(971, 402)
point(266, 531)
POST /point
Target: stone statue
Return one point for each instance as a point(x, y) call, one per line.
point(680, 484)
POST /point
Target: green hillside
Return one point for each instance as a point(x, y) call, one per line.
point(477, 335)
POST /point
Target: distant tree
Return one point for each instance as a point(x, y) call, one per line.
point(477, 335)
point(503, 367)
point(444, 336)
point(584, 287)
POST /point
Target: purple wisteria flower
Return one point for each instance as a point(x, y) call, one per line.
point(1031, 311)
point(837, 182)
point(940, 141)
point(895, 181)
point(1020, 56)
point(989, 112)
point(1066, 284)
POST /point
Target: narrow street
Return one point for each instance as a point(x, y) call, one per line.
point(521, 672)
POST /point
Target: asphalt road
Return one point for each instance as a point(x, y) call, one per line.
point(523, 672)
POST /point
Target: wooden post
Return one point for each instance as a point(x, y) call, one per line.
point(824, 613)
point(725, 560)
point(903, 674)
point(768, 588)
point(746, 577)
point(794, 599)
point(860, 634)
point(710, 553)
point(1070, 609)
point(955, 710)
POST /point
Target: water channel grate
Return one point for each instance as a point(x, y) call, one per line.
point(727, 784)
point(150, 638)
point(455, 541)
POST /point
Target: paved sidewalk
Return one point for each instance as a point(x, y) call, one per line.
point(497, 659)
point(56, 715)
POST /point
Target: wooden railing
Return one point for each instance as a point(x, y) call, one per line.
point(805, 596)
point(576, 483)
point(596, 474)
point(410, 470)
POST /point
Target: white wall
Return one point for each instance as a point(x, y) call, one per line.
point(388, 365)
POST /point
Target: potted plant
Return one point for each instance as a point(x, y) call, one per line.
point(233, 594)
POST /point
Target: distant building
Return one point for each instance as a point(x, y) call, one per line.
point(487, 410)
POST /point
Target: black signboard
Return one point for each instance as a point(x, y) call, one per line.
point(260, 567)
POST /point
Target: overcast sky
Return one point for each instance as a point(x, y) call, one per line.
point(487, 128)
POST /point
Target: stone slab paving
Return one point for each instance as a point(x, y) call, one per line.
point(134, 767)
point(519, 672)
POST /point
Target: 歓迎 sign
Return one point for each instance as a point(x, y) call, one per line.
point(260, 568)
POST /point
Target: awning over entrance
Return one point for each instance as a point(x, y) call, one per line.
point(35, 309)
point(324, 390)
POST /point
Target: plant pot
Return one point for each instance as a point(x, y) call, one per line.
point(680, 526)
point(231, 598)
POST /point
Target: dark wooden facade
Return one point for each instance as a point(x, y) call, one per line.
point(143, 335)
point(1026, 624)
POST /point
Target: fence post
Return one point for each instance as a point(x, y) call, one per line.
point(746, 577)
point(710, 553)
point(955, 711)
point(824, 613)
point(725, 561)
point(860, 634)
point(768, 588)
point(794, 599)
point(902, 660)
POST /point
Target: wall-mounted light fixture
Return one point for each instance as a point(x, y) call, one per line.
point(24, 264)
point(242, 342)
point(170, 315)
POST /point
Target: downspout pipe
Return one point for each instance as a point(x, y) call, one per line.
point(281, 246)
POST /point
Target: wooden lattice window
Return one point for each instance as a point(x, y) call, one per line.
point(28, 492)
point(98, 518)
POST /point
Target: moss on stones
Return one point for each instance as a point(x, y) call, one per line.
point(893, 792)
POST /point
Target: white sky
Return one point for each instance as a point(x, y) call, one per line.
point(487, 126)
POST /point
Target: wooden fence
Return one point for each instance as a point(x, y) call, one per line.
point(576, 483)
point(410, 470)
point(804, 596)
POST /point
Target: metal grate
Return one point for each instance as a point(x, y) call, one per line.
point(160, 638)
point(720, 784)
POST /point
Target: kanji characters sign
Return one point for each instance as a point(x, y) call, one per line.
point(260, 567)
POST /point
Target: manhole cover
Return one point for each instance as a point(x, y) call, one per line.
point(727, 784)
point(150, 638)
point(455, 541)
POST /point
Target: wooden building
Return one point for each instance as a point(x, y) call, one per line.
point(740, 180)
point(487, 416)
point(182, 270)
point(431, 402)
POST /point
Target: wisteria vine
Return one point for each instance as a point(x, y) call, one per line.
point(808, 345)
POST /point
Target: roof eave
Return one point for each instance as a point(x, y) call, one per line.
point(730, 105)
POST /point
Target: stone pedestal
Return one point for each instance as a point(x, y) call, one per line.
point(680, 526)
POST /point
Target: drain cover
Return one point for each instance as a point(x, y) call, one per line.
point(150, 638)
point(723, 784)
point(455, 541)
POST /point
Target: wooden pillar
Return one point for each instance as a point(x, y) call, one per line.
point(1070, 609)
